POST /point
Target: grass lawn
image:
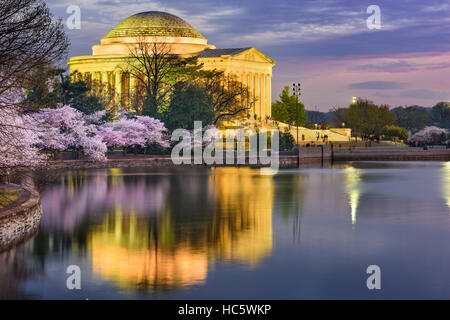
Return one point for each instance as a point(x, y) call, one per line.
point(8, 196)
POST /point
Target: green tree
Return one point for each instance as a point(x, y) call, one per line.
point(442, 138)
point(189, 103)
point(440, 114)
point(366, 119)
point(392, 132)
point(280, 112)
point(285, 109)
point(287, 141)
point(39, 88)
point(78, 95)
point(51, 86)
point(412, 118)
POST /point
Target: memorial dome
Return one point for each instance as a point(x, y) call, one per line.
point(154, 24)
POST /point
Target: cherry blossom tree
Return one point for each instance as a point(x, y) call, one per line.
point(134, 131)
point(17, 137)
point(17, 142)
point(24, 137)
point(65, 128)
point(430, 134)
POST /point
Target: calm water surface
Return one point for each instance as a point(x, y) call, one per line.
point(233, 233)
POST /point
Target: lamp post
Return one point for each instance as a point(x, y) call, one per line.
point(296, 91)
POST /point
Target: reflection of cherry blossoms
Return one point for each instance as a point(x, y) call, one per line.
point(67, 205)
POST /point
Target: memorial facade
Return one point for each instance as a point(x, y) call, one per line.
point(247, 65)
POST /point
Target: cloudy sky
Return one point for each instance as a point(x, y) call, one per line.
point(324, 44)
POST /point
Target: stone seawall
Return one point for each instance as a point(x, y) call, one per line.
point(307, 155)
point(392, 154)
point(313, 154)
point(287, 161)
point(20, 221)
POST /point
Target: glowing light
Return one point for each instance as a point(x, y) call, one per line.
point(354, 202)
point(353, 187)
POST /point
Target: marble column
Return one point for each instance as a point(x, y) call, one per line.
point(261, 92)
point(132, 84)
point(258, 95)
point(263, 98)
point(269, 77)
point(104, 78)
point(251, 89)
point(241, 79)
point(118, 85)
point(268, 102)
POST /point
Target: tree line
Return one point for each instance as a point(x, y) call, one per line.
point(369, 120)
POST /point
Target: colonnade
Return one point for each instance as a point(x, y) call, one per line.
point(260, 88)
point(259, 85)
point(118, 80)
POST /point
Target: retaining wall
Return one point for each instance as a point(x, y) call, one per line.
point(20, 221)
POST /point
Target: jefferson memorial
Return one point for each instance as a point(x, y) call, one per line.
point(248, 65)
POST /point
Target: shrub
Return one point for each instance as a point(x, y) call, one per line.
point(393, 132)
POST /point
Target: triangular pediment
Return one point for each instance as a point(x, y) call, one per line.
point(254, 55)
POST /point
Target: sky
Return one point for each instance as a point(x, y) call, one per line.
point(325, 45)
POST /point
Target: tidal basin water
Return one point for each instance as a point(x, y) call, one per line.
point(232, 233)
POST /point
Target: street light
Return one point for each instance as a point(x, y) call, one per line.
point(296, 91)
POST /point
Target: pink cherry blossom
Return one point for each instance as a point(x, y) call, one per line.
point(17, 141)
point(429, 134)
point(65, 127)
point(139, 131)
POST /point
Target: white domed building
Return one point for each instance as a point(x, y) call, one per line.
point(250, 66)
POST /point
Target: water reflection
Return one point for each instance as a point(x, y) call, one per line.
point(145, 230)
point(446, 182)
point(353, 188)
point(289, 199)
point(210, 233)
point(137, 254)
point(15, 267)
point(80, 195)
point(241, 229)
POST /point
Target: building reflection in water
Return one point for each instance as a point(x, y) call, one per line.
point(353, 189)
point(129, 252)
point(446, 182)
point(222, 216)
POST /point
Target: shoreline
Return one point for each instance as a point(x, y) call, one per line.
point(292, 160)
point(21, 219)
